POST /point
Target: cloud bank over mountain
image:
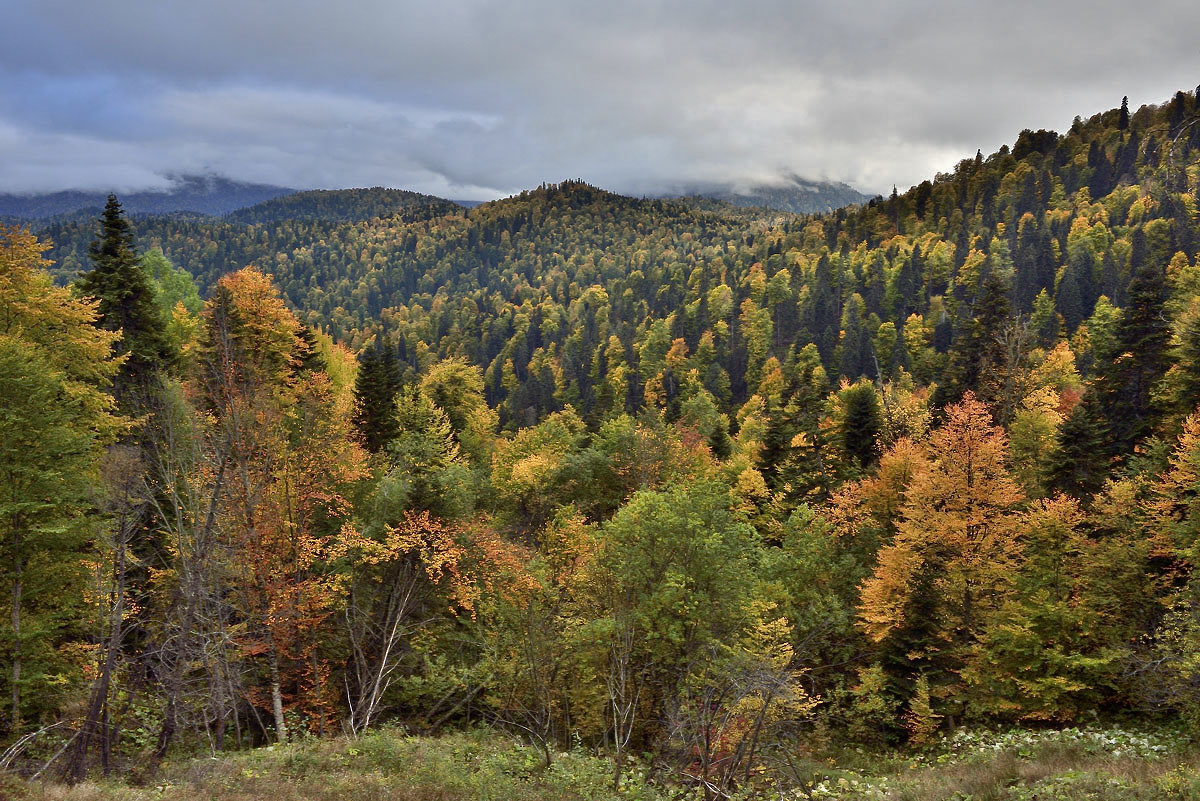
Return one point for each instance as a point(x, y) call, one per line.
point(479, 99)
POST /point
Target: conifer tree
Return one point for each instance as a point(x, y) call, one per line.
point(375, 389)
point(1143, 339)
point(1080, 463)
point(127, 304)
point(980, 351)
point(55, 417)
point(950, 563)
point(861, 424)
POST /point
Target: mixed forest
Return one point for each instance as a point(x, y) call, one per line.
point(692, 486)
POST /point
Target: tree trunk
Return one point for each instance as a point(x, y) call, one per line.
point(16, 657)
point(277, 700)
point(97, 713)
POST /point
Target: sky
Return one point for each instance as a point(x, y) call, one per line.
point(476, 99)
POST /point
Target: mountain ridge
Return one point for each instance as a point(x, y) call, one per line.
point(209, 194)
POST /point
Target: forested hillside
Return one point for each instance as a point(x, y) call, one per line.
point(341, 205)
point(697, 489)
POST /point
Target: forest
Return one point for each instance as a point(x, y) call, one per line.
point(690, 488)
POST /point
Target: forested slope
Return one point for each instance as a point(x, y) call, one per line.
point(1060, 220)
point(661, 480)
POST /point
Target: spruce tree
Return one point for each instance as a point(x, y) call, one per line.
point(127, 304)
point(1079, 464)
point(978, 353)
point(1143, 339)
point(861, 425)
point(375, 390)
point(910, 285)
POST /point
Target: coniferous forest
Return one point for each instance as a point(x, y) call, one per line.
point(696, 500)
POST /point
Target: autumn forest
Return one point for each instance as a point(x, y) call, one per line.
point(689, 487)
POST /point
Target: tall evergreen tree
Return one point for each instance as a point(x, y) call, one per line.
point(1079, 465)
point(1143, 338)
point(55, 418)
point(375, 390)
point(861, 424)
point(127, 304)
point(980, 351)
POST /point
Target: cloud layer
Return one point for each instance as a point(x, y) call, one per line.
point(480, 98)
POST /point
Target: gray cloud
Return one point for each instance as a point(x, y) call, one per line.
point(479, 98)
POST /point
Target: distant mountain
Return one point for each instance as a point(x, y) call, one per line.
point(344, 205)
point(210, 195)
point(794, 194)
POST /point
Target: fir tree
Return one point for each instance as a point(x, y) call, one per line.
point(861, 425)
point(127, 304)
point(980, 351)
point(375, 388)
point(1079, 464)
point(1143, 338)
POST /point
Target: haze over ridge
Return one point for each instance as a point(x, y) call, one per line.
point(480, 99)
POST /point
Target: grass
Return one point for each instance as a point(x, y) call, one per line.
point(1016, 765)
point(386, 765)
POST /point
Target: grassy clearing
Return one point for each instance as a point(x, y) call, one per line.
point(1070, 765)
point(384, 765)
point(1015, 765)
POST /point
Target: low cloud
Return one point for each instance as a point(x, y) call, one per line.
point(480, 99)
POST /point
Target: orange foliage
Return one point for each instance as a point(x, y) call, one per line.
point(956, 527)
point(877, 500)
point(465, 561)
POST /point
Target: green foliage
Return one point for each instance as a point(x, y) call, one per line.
point(860, 424)
point(127, 303)
point(426, 471)
point(650, 474)
point(172, 285)
point(376, 385)
point(56, 418)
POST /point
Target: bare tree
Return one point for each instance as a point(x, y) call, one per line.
point(624, 693)
point(124, 503)
point(382, 612)
point(720, 718)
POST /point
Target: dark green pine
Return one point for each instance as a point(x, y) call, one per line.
point(1079, 465)
point(1143, 339)
point(862, 426)
point(975, 355)
point(127, 303)
point(375, 390)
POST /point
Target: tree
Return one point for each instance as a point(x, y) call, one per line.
point(1143, 336)
point(674, 589)
point(1080, 463)
point(292, 461)
point(127, 304)
point(425, 468)
point(860, 423)
point(375, 387)
point(406, 580)
point(54, 369)
point(456, 388)
point(1043, 654)
point(982, 354)
point(951, 561)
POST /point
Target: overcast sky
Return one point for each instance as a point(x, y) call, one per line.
point(478, 99)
